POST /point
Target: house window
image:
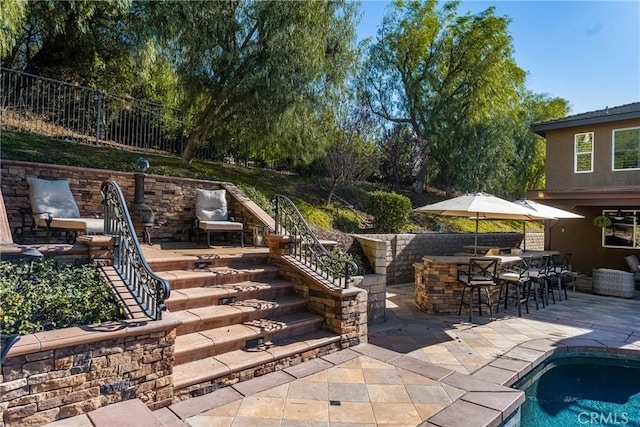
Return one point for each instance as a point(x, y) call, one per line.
point(583, 152)
point(626, 149)
point(624, 231)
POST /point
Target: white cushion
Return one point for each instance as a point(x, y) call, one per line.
point(88, 225)
point(211, 205)
point(54, 197)
point(220, 226)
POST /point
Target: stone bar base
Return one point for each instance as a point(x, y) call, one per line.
point(437, 289)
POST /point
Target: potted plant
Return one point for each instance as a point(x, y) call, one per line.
point(602, 221)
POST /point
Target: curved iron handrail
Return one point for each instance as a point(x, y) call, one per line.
point(149, 289)
point(306, 247)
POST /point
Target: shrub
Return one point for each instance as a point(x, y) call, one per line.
point(338, 265)
point(346, 221)
point(390, 211)
point(45, 296)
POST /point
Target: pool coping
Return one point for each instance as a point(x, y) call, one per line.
point(488, 406)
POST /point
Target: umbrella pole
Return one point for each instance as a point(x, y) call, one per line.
point(475, 245)
point(524, 235)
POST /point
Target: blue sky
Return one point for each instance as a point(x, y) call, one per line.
point(587, 52)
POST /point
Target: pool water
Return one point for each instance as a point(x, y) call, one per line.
point(582, 390)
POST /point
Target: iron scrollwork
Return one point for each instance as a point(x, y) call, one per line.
point(305, 246)
point(149, 289)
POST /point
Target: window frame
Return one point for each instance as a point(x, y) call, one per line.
point(613, 150)
point(576, 153)
point(633, 227)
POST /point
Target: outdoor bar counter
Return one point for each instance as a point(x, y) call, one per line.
point(437, 289)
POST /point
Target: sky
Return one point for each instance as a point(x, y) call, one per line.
point(587, 52)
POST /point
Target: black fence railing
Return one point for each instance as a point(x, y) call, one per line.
point(60, 110)
point(306, 248)
point(149, 290)
point(53, 108)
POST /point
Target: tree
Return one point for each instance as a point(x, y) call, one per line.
point(399, 149)
point(106, 45)
point(245, 64)
point(528, 162)
point(440, 73)
point(352, 156)
point(13, 15)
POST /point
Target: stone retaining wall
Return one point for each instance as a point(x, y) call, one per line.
point(59, 374)
point(172, 199)
point(344, 310)
point(394, 254)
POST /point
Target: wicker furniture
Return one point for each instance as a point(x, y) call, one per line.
point(615, 283)
point(634, 266)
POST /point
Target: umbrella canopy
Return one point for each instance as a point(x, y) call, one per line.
point(550, 211)
point(547, 210)
point(482, 206)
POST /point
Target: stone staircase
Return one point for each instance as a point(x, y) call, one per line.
point(239, 320)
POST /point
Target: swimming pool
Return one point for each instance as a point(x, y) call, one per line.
point(582, 389)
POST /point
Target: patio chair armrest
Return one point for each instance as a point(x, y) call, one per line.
point(48, 219)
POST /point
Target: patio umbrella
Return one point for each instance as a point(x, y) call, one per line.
point(546, 210)
point(481, 206)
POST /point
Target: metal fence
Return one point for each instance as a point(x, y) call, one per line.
point(30, 103)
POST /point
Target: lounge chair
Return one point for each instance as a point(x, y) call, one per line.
point(54, 208)
point(212, 215)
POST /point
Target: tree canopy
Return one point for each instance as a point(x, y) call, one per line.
point(441, 73)
point(269, 81)
point(247, 64)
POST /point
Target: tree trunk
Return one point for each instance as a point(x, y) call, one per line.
point(194, 140)
point(334, 184)
point(422, 177)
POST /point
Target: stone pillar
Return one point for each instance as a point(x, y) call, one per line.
point(5, 230)
point(100, 248)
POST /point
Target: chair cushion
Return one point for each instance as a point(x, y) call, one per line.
point(211, 205)
point(53, 196)
point(220, 226)
point(87, 225)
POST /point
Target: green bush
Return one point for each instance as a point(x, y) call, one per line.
point(390, 211)
point(45, 296)
point(346, 221)
point(338, 265)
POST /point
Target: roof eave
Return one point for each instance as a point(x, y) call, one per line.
point(542, 127)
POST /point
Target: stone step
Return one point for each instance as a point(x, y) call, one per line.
point(239, 365)
point(183, 279)
point(203, 318)
point(194, 262)
point(182, 299)
point(248, 336)
point(128, 413)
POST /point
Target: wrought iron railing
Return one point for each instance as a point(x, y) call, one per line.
point(60, 110)
point(149, 290)
point(305, 246)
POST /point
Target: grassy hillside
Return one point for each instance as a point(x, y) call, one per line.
point(309, 193)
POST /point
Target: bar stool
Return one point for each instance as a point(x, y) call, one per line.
point(562, 270)
point(516, 277)
point(480, 276)
point(540, 276)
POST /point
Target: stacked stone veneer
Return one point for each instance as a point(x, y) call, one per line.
point(172, 199)
point(393, 255)
point(344, 310)
point(437, 289)
point(59, 374)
